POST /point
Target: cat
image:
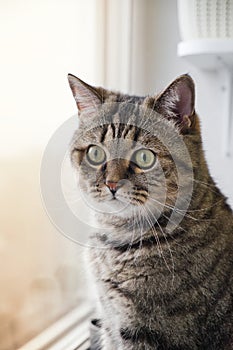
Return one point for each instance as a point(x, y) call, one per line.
point(162, 256)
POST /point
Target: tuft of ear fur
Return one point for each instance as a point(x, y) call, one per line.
point(177, 102)
point(87, 97)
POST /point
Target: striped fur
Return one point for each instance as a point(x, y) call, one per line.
point(158, 289)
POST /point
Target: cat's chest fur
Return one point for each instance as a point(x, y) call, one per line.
point(166, 294)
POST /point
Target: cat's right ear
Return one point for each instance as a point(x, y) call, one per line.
point(87, 97)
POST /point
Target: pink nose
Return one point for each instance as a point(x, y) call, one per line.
point(112, 185)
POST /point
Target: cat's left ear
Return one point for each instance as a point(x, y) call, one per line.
point(177, 102)
point(87, 97)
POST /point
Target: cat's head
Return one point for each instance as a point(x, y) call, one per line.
point(127, 148)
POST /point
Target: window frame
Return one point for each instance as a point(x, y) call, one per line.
point(70, 332)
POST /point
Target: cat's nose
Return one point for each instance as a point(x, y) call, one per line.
point(112, 186)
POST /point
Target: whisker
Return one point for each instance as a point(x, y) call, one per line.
point(132, 237)
point(210, 186)
point(169, 248)
point(177, 210)
point(151, 226)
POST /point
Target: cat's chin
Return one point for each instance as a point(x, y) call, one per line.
point(119, 210)
point(116, 207)
point(111, 207)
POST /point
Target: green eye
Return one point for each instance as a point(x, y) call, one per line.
point(96, 155)
point(144, 158)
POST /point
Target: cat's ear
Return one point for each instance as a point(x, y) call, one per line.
point(88, 98)
point(177, 102)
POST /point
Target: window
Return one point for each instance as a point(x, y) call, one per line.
point(41, 277)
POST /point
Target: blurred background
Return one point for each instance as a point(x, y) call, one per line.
point(127, 45)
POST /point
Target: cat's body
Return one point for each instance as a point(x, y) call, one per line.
point(158, 288)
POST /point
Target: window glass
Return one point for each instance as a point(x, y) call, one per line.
point(42, 275)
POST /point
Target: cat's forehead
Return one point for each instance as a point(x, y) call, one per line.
point(120, 120)
point(118, 134)
point(125, 125)
point(118, 139)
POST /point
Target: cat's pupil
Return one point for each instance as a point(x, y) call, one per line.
point(144, 157)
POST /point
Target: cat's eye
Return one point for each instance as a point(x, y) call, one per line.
point(144, 158)
point(96, 155)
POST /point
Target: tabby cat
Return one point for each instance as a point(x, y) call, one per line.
point(162, 255)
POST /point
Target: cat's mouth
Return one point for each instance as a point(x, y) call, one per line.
point(128, 199)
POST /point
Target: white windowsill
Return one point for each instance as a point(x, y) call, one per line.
point(68, 333)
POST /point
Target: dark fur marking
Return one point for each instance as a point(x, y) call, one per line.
point(113, 130)
point(121, 127)
point(126, 131)
point(144, 335)
point(136, 135)
point(151, 241)
point(104, 132)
